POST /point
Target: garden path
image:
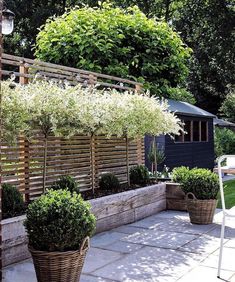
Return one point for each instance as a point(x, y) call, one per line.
point(161, 248)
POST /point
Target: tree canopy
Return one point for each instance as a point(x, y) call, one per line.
point(118, 42)
point(67, 111)
point(228, 107)
point(207, 27)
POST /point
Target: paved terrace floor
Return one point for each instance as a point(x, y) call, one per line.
point(164, 247)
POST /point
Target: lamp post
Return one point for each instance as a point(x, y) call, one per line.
point(6, 27)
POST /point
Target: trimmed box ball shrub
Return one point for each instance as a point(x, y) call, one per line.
point(66, 182)
point(203, 183)
point(139, 175)
point(12, 201)
point(179, 174)
point(109, 182)
point(59, 221)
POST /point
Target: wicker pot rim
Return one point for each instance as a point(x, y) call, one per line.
point(83, 249)
point(198, 200)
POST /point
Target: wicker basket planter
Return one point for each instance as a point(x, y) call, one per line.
point(175, 197)
point(59, 266)
point(200, 211)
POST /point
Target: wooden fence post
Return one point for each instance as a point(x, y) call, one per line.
point(138, 88)
point(93, 164)
point(23, 71)
point(139, 151)
point(25, 149)
point(92, 80)
point(24, 153)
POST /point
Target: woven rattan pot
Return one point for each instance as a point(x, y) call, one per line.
point(59, 266)
point(200, 211)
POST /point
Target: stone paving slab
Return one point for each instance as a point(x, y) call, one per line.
point(97, 258)
point(106, 238)
point(150, 264)
point(205, 274)
point(204, 244)
point(228, 259)
point(20, 272)
point(165, 247)
point(128, 229)
point(230, 243)
point(123, 247)
point(161, 239)
point(180, 225)
point(91, 278)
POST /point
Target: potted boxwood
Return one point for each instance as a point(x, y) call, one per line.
point(58, 225)
point(201, 187)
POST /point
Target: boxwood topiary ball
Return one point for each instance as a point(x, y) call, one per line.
point(59, 221)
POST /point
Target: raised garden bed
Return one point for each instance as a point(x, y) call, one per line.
point(14, 240)
point(130, 206)
point(111, 211)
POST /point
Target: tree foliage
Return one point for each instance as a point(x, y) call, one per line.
point(118, 42)
point(224, 142)
point(228, 106)
point(66, 111)
point(59, 221)
point(208, 28)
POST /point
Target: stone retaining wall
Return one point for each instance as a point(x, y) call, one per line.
point(111, 211)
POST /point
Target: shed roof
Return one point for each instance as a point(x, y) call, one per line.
point(185, 108)
point(224, 123)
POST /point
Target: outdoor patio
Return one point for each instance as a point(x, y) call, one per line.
point(163, 247)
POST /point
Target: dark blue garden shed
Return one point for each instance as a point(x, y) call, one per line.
point(194, 148)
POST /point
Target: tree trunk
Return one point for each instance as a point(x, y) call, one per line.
point(155, 155)
point(44, 165)
point(127, 161)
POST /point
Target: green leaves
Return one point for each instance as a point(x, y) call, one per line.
point(203, 183)
point(59, 221)
point(228, 106)
point(139, 175)
point(66, 111)
point(118, 42)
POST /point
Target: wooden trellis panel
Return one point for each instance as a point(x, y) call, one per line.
point(85, 158)
point(25, 69)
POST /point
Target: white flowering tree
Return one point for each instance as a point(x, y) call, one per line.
point(134, 116)
point(67, 111)
point(14, 113)
point(50, 108)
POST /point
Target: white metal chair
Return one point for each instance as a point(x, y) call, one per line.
point(226, 213)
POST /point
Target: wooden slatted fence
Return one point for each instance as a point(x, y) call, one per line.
point(83, 157)
point(86, 158)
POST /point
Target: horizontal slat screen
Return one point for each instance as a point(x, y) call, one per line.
point(83, 157)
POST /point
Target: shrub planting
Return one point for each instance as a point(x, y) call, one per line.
point(139, 175)
point(179, 174)
point(66, 182)
point(203, 183)
point(109, 182)
point(12, 201)
point(59, 221)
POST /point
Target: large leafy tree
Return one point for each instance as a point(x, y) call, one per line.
point(121, 42)
point(208, 28)
point(30, 15)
